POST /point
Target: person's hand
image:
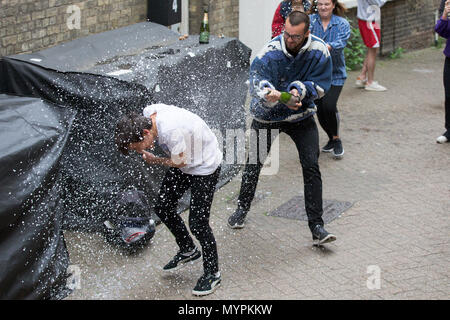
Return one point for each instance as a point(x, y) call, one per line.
point(294, 92)
point(273, 95)
point(329, 47)
point(148, 156)
point(446, 10)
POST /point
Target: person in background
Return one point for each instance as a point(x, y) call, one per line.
point(368, 13)
point(327, 23)
point(193, 159)
point(282, 11)
point(443, 29)
point(299, 63)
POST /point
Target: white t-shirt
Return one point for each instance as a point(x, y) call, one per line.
point(368, 10)
point(180, 130)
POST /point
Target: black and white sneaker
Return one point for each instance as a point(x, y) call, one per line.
point(207, 284)
point(329, 147)
point(181, 259)
point(321, 236)
point(338, 151)
point(236, 220)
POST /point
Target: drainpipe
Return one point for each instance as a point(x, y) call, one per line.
point(436, 18)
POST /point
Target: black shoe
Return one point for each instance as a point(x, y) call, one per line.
point(329, 146)
point(338, 150)
point(181, 259)
point(236, 220)
point(321, 236)
point(207, 284)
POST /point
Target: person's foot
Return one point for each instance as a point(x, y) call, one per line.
point(374, 86)
point(321, 236)
point(181, 259)
point(360, 82)
point(444, 138)
point(338, 150)
point(207, 284)
point(329, 146)
point(237, 219)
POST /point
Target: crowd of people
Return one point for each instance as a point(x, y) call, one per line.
point(305, 57)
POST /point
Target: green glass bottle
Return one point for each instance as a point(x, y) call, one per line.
point(204, 29)
point(289, 99)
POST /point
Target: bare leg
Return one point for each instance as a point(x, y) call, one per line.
point(371, 59)
point(363, 74)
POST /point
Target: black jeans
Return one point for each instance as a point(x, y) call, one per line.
point(327, 112)
point(174, 185)
point(447, 95)
point(306, 138)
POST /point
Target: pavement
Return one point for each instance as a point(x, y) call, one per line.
point(392, 243)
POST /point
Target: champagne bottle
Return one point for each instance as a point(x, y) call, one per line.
point(289, 99)
point(204, 29)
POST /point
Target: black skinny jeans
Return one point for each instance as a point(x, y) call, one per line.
point(327, 112)
point(447, 95)
point(174, 185)
point(306, 138)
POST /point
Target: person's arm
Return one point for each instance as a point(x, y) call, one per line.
point(277, 22)
point(442, 27)
point(343, 35)
point(175, 162)
point(261, 81)
point(446, 10)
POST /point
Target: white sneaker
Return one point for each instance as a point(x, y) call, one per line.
point(374, 86)
point(360, 83)
point(441, 139)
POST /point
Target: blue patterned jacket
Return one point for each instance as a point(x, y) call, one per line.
point(336, 35)
point(274, 67)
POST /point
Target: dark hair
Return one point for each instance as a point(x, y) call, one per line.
point(441, 8)
point(302, 2)
point(297, 17)
point(130, 129)
point(339, 8)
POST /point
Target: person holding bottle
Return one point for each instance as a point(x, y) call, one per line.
point(298, 63)
point(443, 29)
point(328, 23)
point(284, 8)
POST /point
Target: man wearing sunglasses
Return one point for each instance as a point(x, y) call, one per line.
point(299, 63)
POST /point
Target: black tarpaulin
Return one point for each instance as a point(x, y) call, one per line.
point(97, 79)
point(33, 257)
point(92, 171)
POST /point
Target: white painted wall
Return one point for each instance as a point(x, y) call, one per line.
point(255, 22)
point(183, 26)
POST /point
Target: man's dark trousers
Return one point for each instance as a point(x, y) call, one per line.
point(305, 135)
point(173, 186)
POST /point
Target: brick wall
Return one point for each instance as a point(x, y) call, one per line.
point(223, 16)
point(408, 24)
point(31, 25)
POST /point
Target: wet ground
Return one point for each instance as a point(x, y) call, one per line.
point(392, 243)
